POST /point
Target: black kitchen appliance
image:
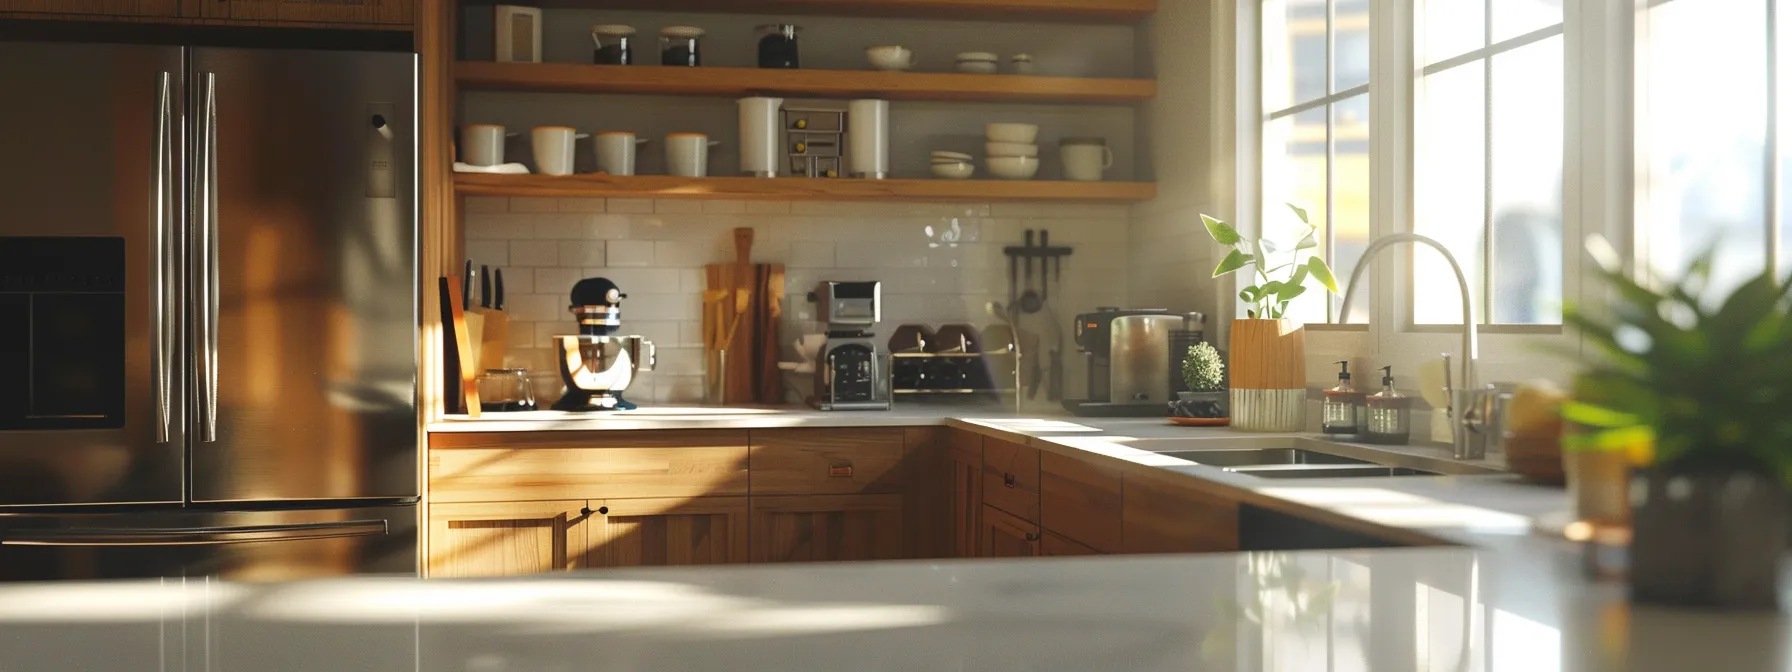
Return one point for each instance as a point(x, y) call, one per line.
point(1094, 334)
point(596, 364)
point(849, 375)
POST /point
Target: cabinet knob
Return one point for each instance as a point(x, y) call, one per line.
point(1032, 536)
point(1008, 480)
point(587, 510)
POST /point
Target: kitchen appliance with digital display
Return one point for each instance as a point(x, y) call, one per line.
point(850, 375)
point(1129, 347)
point(209, 359)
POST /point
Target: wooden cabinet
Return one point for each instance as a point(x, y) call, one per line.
point(967, 493)
point(1169, 513)
point(506, 538)
point(1052, 544)
point(165, 8)
point(819, 528)
point(1005, 535)
point(827, 461)
point(311, 11)
point(1080, 499)
point(485, 467)
point(1011, 477)
point(667, 532)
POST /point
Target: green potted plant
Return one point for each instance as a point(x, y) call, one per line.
point(1268, 351)
point(1204, 373)
point(1708, 384)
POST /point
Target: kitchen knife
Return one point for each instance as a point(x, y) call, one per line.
point(485, 286)
point(498, 283)
point(466, 287)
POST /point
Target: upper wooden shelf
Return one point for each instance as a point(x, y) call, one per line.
point(795, 189)
point(1076, 11)
point(741, 82)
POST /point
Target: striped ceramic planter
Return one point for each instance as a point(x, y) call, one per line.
point(1268, 375)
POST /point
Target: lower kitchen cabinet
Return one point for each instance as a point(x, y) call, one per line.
point(825, 528)
point(1052, 544)
point(667, 532)
point(1005, 535)
point(1169, 513)
point(967, 493)
point(506, 538)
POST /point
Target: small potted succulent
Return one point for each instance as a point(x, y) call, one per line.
point(1204, 372)
point(1707, 384)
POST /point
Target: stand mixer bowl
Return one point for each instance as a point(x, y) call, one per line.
point(596, 369)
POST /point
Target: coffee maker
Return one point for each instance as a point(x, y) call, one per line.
point(849, 375)
point(596, 364)
point(1128, 354)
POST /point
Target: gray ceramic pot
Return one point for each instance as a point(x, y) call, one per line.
point(1707, 539)
point(1200, 404)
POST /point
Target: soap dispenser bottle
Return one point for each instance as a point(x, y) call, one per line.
point(1343, 413)
point(1390, 414)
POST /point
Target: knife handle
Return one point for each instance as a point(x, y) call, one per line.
point(485, 286)
point(497, 289)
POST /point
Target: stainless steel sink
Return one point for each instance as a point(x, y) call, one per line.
point(1329, 471)
point(1262, 456)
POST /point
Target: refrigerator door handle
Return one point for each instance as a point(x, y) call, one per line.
point(193, 536)
point(206, 207)
point(162, 308)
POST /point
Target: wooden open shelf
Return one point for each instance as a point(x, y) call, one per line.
point(795, 188)
point(1077, 11)
point(742, 82)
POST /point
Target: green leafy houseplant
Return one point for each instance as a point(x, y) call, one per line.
point(1202, 368)
point(1270, 296)
point(1709, 387)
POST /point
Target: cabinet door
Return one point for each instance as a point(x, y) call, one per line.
point(1079, 498)
point(1011, 477)
point(1052, 545)
point(820, 528)
point(1168, 513)
point(393, 12)
point(667, 531)
point(95, 7)
point(1005, 535)
point(967, 493)
point(505, 538)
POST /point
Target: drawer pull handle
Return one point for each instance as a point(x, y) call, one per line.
point(1008, 480)
point(602, 510)
point(840, 470)
point(1032, 537)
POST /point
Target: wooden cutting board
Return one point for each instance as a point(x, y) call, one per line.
point(740, 315)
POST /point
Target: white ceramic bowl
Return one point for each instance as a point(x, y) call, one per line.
point(892, 58)
point(955, 171)
point(1010, 149)
point(1014, 167)
point(1023, 134)
point(977, 67)
point(977, 56)
point(952, 156)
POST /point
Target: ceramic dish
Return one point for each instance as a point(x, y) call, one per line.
point(1025, 134)
point(954, 171)
point(1014, 167)
point(1010, 149)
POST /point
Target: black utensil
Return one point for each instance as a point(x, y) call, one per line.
point(1013, 280)
point(498, 283)
point(1045, 245)
point(485, 287)
point(466, 288)
point(1029, 260)
point(1031, 301)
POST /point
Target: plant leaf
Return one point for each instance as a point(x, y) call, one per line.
point(1308, 242)
point(1300, 212)
point(1222, 232)
point(1300, 276)
point(1267, 246)
point(1251, 294)
point(1271, 288)
point(1323, 273)
point(1234, 260)
point(1289, 292)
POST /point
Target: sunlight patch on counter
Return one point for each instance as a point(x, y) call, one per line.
point(1400, 509)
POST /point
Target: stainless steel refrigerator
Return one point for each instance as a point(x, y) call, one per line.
point(207, 312)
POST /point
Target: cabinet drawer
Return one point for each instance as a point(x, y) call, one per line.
point(1011, 478)
point(1080, 500)
point(827, 461)
point(586, 465)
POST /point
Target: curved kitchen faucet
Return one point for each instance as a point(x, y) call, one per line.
point(1471, 408)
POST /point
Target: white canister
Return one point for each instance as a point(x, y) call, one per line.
point(759, 146)
point(616, 152)
point(687, 154)
point(1085, 158)
point(553, 147)
point(482, 144)
point(868, 138)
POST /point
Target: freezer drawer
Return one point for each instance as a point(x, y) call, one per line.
point(235, 545)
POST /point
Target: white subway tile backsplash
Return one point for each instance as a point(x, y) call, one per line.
point(811, 254)
point(488, 252)
point(522, 204)
point(638, 282)
point(535, 307)
point(679, 389)
point(690, 253)
point(484, 226)
point(768, 207)
point(518, 281)
point(580, 227)
point(534, 253)
point(663, 307)
point(630, 205)
point(487, 204)
point(629, 253)
point(581, 253)
point(581, 205)
point(723, 207)
point(677, 207)
point(690, 333)
point(557, 281)
point(663, 333)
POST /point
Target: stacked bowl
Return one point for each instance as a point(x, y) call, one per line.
point(952, 165)
point(1012, 150)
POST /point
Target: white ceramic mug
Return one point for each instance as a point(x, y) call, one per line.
point(482, 144)
point(1085, 161)
point(687, 154)
point(616, 152)
point(554, 148)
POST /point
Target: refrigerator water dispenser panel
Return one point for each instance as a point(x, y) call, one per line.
point(62, 342)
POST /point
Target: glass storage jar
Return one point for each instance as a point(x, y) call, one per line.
point(777, 46)
point(681, 45)
point(613, 44)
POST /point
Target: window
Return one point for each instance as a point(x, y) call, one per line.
point(1707, 133)
point(1488, 159)
point(1315, 85)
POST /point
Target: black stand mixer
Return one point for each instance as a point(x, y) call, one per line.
point(596, 364)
